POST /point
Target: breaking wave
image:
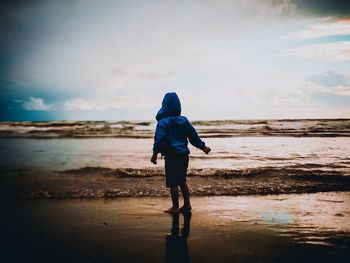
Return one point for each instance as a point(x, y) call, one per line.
point(102, 182)
point(306, 170)
point(207, 129)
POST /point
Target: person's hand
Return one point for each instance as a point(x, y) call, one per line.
point(206, 149)
point(154, 158)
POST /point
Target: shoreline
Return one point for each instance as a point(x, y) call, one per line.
point(99, 184)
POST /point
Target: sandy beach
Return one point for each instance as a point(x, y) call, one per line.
point(273, 228)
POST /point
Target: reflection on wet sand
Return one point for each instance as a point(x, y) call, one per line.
point(276, 228)
point(176, 249)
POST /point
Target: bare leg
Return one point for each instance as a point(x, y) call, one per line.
point(186, 195)
point(174, 191)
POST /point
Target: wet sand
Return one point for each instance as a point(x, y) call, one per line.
point(271, 228)
point(96, 182)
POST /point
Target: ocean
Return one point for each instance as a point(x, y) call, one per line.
point(99, 159)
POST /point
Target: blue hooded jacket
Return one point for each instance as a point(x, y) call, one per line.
point(173, 130)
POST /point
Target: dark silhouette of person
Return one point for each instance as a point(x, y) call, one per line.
point(176, 244)
point(171, 138)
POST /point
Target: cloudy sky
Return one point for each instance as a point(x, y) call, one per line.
point(112, 60)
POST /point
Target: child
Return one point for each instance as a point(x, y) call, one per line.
point(170, 140)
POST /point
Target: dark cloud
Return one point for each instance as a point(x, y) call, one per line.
point(334, 8)
point(13, 4)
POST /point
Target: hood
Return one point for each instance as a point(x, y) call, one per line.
point(171, 106)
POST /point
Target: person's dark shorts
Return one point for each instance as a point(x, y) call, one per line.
point(175, 169)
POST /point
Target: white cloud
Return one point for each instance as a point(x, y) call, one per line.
point(135, 102)
point(338, 28)
point(343, 91)
point(297, 97)
point(286, 100)
point(337, 51)
point(82, 104)
point(37, 104)
point(329, 82)
point(157, 74)
point(339, 90)
point(304, 94)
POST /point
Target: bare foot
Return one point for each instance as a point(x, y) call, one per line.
point(172, 210)
point(185, 209)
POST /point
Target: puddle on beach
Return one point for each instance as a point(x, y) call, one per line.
point(276, 228)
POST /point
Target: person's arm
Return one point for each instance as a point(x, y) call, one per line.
point(159, 138)
point(195, 140)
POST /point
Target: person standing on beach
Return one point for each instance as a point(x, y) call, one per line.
point(171, 139)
